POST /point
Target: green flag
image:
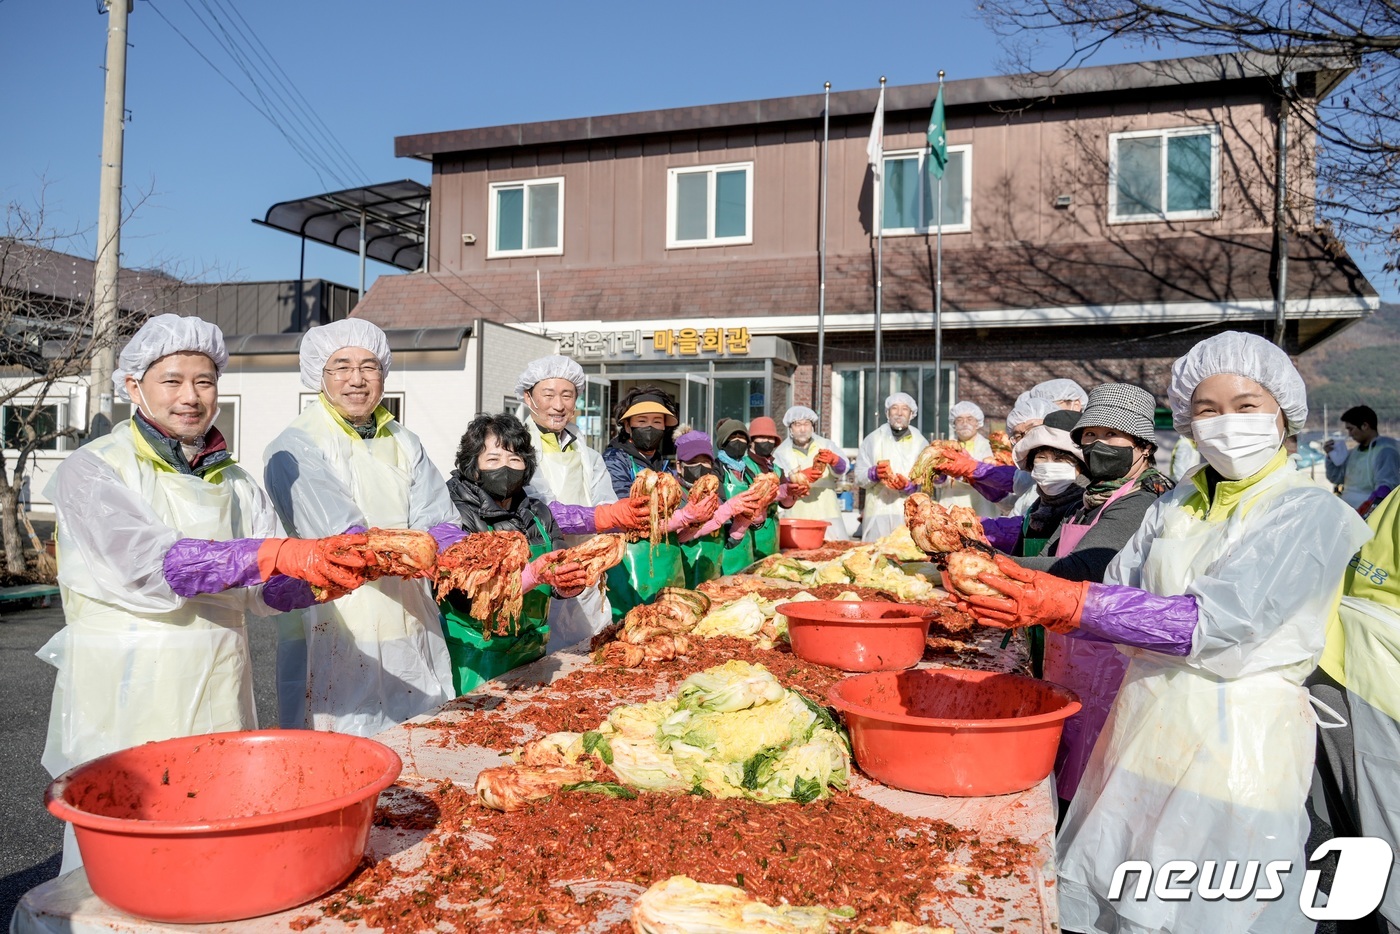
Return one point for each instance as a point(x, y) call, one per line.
point(937, 138)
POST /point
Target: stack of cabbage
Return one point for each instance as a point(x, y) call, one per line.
point(730, 731)
point(861, 567)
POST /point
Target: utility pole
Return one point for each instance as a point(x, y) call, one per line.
point(109, 218)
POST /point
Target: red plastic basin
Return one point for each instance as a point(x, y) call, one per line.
point(226, 825)
point(946, 731)
point(857, 635)
point(801, 533)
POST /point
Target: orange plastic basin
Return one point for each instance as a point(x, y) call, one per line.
point(857, 635)
point(946, 731)
point(801, 533)
point(226, 825)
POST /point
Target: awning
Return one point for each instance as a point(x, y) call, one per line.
point(394, 215)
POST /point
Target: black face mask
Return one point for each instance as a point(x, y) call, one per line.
point(692, 472)
point(737, 448)
point(899, 432)
point(1108, 461)
point(647, 439)
point(502, 482)
point(764, 448)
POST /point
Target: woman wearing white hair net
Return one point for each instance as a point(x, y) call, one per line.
point(376, 657)
point(807, 453)
point(1221, 602)
point(882, 467)
point(165, 545)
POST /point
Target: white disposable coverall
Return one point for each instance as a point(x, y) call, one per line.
point(884, 508)
point(956, 492)
point(375, 657)
point(821, 502)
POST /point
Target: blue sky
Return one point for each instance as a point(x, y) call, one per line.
point(372, 71)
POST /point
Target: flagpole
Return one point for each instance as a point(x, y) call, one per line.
point(819, 378)
point(938, 310)
point(879, 246)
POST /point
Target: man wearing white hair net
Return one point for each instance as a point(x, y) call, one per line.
point(807, 453)
point(882, 467)
point(1221, 602)
point(165, 545)
point(573, 481)
point(376, 657)
point(1065, 393)
point(971, 475)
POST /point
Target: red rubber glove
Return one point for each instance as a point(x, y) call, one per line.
point(813, 473)
point(897, 482)
point(882, 470)
point(959, 464)
point(625, 515)
point(828, 458)
point(328, 563)
point(1033, 598)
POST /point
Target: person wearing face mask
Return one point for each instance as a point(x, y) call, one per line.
point(736, 473)
point(574, 482)
point(345, 464)
point(882, 467)
point(645, 418)
point(165, 547)
point(1028, 413)
point(1221, 601)
point(703, 547)
point(808, 453)
point(763, 442)
point(495, 461)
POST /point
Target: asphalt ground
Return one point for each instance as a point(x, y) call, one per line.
point(32, 840)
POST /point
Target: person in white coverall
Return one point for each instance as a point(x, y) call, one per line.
point(165, 545)
point(805, 451)
point(882, 467)
point(377, 657)
point(573, 481)
point(967, 428)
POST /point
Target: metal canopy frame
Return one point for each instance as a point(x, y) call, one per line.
point(387, 222)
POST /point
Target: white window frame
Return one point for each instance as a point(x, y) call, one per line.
point(526, 184)
point(671, 242)
point(932, 226)
point(1211, 213)
point(63, 444)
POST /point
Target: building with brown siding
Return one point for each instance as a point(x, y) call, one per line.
point(1097, 222)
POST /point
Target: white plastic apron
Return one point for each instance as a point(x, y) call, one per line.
point(961, 493)
point(571, 621)
point(376, 657)
point(1373, 690)
point(126, 679)
point(820, 502)
point(1193, 767)
point(884, 508)
point(1093, 670)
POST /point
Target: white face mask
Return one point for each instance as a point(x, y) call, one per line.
point(1238, 445)
point(1054, 477)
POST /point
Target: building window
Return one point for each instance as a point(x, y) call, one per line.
point(709, 205)
point(527, 218)
point(911, 194)
point(858, 404)
point(1156, 175)
point(23, 421)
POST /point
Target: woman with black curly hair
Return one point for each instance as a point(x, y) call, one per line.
point(495, 461)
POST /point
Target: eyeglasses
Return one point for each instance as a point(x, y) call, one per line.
point(370, 371)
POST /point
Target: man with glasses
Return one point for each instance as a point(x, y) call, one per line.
point(376, 657)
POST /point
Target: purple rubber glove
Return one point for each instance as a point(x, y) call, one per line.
point(1003, 532)
point(285, 594)
point(911, 489)
point(195, 566)
point(447, 534)
point(993, 481)
point(841, 466)
point(874, 474)
point(356, 530)
point(1129, 616)
point(573, 520)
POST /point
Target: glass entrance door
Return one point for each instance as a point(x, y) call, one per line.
point(593, 411)
point(741, 397)
point(695, 407)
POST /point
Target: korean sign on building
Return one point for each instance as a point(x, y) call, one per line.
point(682, 342)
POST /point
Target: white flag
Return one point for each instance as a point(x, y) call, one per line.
point(875, 149)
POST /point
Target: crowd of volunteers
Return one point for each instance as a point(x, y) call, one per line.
point(1210, 618)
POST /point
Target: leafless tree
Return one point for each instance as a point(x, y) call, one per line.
point(1357, 128)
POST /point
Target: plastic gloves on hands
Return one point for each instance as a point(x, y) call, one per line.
point(326, 563)
point(813, 473)
point(827, 458)
point(566, 579)
point(694, 513)
point(625, 515)
point(898, 482)
point(959, 464)
point(1033, 598)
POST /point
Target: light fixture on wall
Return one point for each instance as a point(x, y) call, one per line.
point(1063, 201)
point(468, 239)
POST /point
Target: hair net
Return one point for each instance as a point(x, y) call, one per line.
point(797, 413)
point(968, 408)
point(162, 336)
point(320, 343)
point(1029, 409)
point(1060, 390)
point(1240, 354)
point(905, 398)
point(551, 367)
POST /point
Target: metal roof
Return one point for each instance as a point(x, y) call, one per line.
point(394, 215)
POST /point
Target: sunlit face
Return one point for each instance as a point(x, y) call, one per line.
point(1023, 429)
point(551, 403)
point(179, 394)
point(801, 431)
point(965, 426)
point(1231, 394)
point(1054, 456)
point(493, 456)
point(646, 420)
point(353, 382)
point(899, 415)
point(1070, 405)
point(1107, 435)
